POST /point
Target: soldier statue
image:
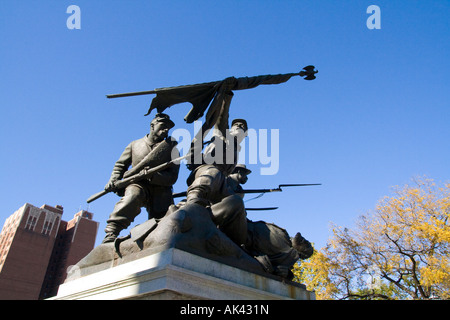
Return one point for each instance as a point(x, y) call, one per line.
point(207, 182)
point(154, 193)
point(266, 242)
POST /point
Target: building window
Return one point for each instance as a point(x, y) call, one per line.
point(47, 227)
point(31, 222)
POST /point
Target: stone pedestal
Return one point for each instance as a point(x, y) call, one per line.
point(177, 275)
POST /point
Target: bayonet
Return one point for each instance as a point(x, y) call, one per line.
point(261, 209)
point(279, 189)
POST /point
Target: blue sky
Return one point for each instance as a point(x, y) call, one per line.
point(376, 116)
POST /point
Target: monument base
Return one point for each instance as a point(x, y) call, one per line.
point(174, 274)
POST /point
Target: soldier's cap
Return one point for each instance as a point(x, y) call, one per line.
point(243, 168)
point(162, 117)
point(241, 121)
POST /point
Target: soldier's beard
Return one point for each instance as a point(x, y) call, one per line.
point(160, 136)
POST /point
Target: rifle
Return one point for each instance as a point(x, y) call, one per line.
point(182, 194)
point(143, 174)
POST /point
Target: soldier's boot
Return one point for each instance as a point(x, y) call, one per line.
point(112, 232)
point(125, 210)
point(303, 246)
point(110, 237)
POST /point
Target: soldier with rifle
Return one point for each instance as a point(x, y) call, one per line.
point(153, 191)
point(271, 245)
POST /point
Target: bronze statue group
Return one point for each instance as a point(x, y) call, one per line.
point(215, 179)
point(214, 185)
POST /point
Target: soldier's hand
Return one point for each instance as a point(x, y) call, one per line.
point(229, 83)
point(110, 186)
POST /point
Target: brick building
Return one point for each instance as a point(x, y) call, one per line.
point(37, 247)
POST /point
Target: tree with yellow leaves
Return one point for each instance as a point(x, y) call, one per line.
point(401, 250)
